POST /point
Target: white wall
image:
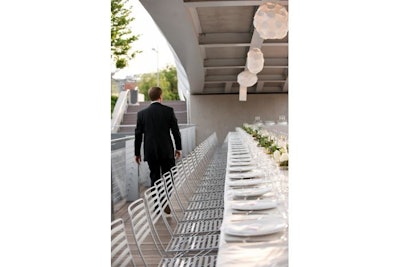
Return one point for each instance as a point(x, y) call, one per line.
point(223, 113)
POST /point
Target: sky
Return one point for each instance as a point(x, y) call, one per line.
point(150, 37)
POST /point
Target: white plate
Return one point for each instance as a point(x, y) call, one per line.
point(240, 164)
point(232, 148)
point(241, 168)
point(241, 175)
point(260, 204)
point(243, 156)
point(263, 226)
point(238, 148)
point(239, 152)
point(245, 182)
point(242, 159)
point(250, 192)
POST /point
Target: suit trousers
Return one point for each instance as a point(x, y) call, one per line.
point(159, 167)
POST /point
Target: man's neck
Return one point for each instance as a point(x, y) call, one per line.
point(156, 101)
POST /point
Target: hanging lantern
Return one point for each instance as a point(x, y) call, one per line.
point(255, 60)
point(242, 93)
point(271, 21)
point(246, 78)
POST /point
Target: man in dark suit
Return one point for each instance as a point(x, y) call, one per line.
point(156, 122)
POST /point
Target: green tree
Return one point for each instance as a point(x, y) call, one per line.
point(171, 80)
point(114, 100)
point(121, 35)
point(168, 82)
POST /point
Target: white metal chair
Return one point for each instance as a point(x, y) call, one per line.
point(182, 226)
point(176, 182)
point(120, 252)
point(209, 180)
point(199, 214)
point(156, 201)
point(142, 226)
point(198, 181)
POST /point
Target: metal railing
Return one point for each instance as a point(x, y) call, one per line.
point(119, 110)
point(126, 175)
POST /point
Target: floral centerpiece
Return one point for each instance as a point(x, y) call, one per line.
point(277, 148)
point(281, 154)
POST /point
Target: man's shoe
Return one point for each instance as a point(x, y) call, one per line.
point(167, 210)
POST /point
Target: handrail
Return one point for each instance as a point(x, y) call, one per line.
point(119, 110)
point(126, 175)
point(122, 138)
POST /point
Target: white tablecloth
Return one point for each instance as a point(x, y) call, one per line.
point(247, 247)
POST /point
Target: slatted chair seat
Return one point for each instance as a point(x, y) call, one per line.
point(193, 243)
point(179, 248)
point(209, 189)
point(120, 252)
point(184, 227)
point(211, 195)
point(205, 226)
point(203, 215)
point(156, 201)
point(207, 204)
point(204, 261)
point(212, 181)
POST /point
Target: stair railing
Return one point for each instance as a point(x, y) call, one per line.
point(119, 110)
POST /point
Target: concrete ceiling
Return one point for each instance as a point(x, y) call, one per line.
point(210, 41)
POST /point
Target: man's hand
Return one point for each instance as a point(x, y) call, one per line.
point(177, 154)
point(138, 159)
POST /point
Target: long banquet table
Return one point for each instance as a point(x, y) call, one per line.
point(254, 230)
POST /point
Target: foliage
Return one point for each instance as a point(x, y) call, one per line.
point(121, 35)
point(264, 141)
point(168, 83)
point(171, 80)
point(270, 145)
point(114, 99)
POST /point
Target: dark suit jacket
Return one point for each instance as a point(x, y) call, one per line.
point(156, 122)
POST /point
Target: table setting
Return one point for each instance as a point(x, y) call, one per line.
point(255, 220)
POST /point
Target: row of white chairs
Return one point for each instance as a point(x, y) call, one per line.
point(193, 191)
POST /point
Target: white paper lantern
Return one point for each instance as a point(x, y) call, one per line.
point(242, 93)
point(271, 21)
point(246, 78)
point(255, 60)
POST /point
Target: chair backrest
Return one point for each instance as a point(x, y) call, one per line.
point(155, 205)
point(192, 172)
point(172, 193)
point(179, 177)
point(189, 166)
point(141, 226)
point(120, 251)
point(152, 203)
point(163, 200)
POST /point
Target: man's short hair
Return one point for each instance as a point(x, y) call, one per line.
point(154, 93)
